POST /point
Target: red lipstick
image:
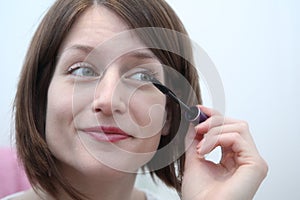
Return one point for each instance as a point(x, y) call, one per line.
point(107, 133)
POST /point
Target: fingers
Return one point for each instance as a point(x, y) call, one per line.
point(215, 119)
point(232, 140)
point(240, 166)
point(218, 130)
point(227, 126)
point(191, 142)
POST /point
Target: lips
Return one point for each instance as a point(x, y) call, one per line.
point(107, 133)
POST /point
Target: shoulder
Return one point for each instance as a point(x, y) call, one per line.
point(24, 195)
point(150, 196)
point(13, 196)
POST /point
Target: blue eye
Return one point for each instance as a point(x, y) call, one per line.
point(141, 76)
point(82, 69)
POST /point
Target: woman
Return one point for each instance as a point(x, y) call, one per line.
point(86, 120)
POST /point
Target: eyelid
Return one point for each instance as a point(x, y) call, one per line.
point(139, 70)
point(79, 65)
point(148, 72)
point(79, 70)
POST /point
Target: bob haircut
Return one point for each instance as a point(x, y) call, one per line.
point(38, 68)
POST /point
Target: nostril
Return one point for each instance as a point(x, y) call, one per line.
point(97, 109)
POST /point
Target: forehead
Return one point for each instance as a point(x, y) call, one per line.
point(95, 26)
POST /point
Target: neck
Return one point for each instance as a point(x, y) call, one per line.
point(121, 188)
point(113, 185)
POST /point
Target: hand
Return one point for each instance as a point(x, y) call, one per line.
point(240, 171)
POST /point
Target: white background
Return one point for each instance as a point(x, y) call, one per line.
point(255, 47)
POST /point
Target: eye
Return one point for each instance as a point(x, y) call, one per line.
point(82, 69)
point(141, 76)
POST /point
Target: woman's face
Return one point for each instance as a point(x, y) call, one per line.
point(101, 114)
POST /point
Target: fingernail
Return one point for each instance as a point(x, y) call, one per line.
point(200, 151)
point(200, 156)
point(203, 148)
point(201, 143)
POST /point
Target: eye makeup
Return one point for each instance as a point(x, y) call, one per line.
point(82, 69)
point(192, 113)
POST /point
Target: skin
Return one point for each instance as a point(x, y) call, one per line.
point(241, 169)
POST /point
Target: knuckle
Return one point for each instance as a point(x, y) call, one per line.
point(217, 120)
point(262, 167)
point(215, 130)
point(265, 167)
point(243, 125)
point(235, 136)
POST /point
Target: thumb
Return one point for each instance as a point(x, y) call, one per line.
point(191, 142)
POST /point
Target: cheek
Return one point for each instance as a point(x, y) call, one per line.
point(59, 104)
point(59, 117)
point(66, 100)
point(148, 112)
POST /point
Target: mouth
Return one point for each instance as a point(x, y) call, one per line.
point(107, 133)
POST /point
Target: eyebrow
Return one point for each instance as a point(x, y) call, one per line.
point(85, 48)
point(142, 53)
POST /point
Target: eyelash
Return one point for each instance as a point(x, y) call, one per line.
point(144, 72)
point(82, 65)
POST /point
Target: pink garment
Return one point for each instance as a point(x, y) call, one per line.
point(12, 176)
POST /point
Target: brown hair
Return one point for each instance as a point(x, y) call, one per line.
point(31, 98)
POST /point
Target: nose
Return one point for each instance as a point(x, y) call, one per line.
point(108, 97)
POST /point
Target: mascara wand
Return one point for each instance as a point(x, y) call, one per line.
point(192, 114)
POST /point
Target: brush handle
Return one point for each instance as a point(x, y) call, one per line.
point(195, 115)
